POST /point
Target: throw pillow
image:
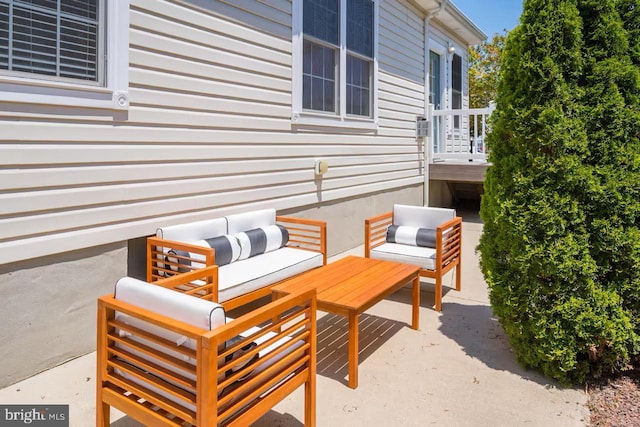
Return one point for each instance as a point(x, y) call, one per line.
point(175, 259)
point(246, 348)
point(413, 236)
point(227, 249)
point(261, 240)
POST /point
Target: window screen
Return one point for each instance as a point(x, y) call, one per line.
point(322, 20)
point(319, 77)
point(360, 27)
point(358, 86)
point(51, 37)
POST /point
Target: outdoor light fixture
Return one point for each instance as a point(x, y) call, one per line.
point(452, 48)
point(321, 167)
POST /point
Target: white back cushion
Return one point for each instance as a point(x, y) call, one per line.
point(186, 308)
point(251, 220)
point(194, 231)
point(420, 216)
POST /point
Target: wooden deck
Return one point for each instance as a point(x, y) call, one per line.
point(472, 172)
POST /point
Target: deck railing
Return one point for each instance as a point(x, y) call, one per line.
point(458, 134)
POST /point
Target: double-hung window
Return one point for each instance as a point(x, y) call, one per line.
point(64, 52)
point(335, 64)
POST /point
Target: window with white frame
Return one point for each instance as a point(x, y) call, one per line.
point(338, 59)
point(456, 88)
point(55, 52)
point(52, 38)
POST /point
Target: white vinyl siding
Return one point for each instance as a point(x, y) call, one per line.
point(208, 132)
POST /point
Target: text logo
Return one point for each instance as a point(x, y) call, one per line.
point(34, 415)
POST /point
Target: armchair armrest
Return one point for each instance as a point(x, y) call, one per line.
point(291, 327)
point(448, 242)
point(375, 231)
point(160, 265)
point(308, 234)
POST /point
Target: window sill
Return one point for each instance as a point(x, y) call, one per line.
point(44, 92)
point(311, 119)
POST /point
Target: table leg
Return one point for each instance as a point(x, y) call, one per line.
point(276, 319)
point(415, 318)
point(353, 349)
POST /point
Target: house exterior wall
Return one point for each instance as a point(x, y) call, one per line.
point(208, 133)
point(48, 307)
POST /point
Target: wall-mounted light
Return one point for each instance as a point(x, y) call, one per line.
point(320, 167)
point(452, 48)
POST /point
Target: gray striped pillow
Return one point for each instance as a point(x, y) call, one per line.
point(227, 249)
point(413, 236)
point(261, 240)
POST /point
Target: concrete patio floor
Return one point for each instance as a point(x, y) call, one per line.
point(456, 370)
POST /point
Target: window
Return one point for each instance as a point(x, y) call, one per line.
point(54, 52)
point(456, 88)
point(52, 38)
point(335, 63)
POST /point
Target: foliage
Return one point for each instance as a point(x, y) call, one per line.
point(561, 208)
point(484, 68)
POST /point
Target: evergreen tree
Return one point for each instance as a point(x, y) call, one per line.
point(560, 235)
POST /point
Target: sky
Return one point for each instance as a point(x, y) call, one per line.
point(492, 16)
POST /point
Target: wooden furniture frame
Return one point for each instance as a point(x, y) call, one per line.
point(448, 248)
point(147, 400)
point(349, 287)
point(306, 234)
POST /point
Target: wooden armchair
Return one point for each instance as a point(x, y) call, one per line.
point(182, 249)
point(158, 362)
point(441, 253)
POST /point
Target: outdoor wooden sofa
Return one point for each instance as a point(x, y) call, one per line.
point(254, 250)
point(167, 358)
point(428, 237)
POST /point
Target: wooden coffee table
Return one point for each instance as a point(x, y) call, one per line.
point(350, 286)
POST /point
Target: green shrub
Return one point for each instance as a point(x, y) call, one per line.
point(561, 244)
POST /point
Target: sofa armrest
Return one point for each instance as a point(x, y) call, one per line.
point(200, 283)
point(448, 242)
point(309, 234)
point(375, 231)
point(134, 376)
point(159, 266)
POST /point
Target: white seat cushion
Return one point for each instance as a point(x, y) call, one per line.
point(417, 255)
point(250, 274)
point(194, 231)
point(420, 216)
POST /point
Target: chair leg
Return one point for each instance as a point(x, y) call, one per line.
point(103, 413)
point(310, 402)
point(438, 293)
point(458, 276)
